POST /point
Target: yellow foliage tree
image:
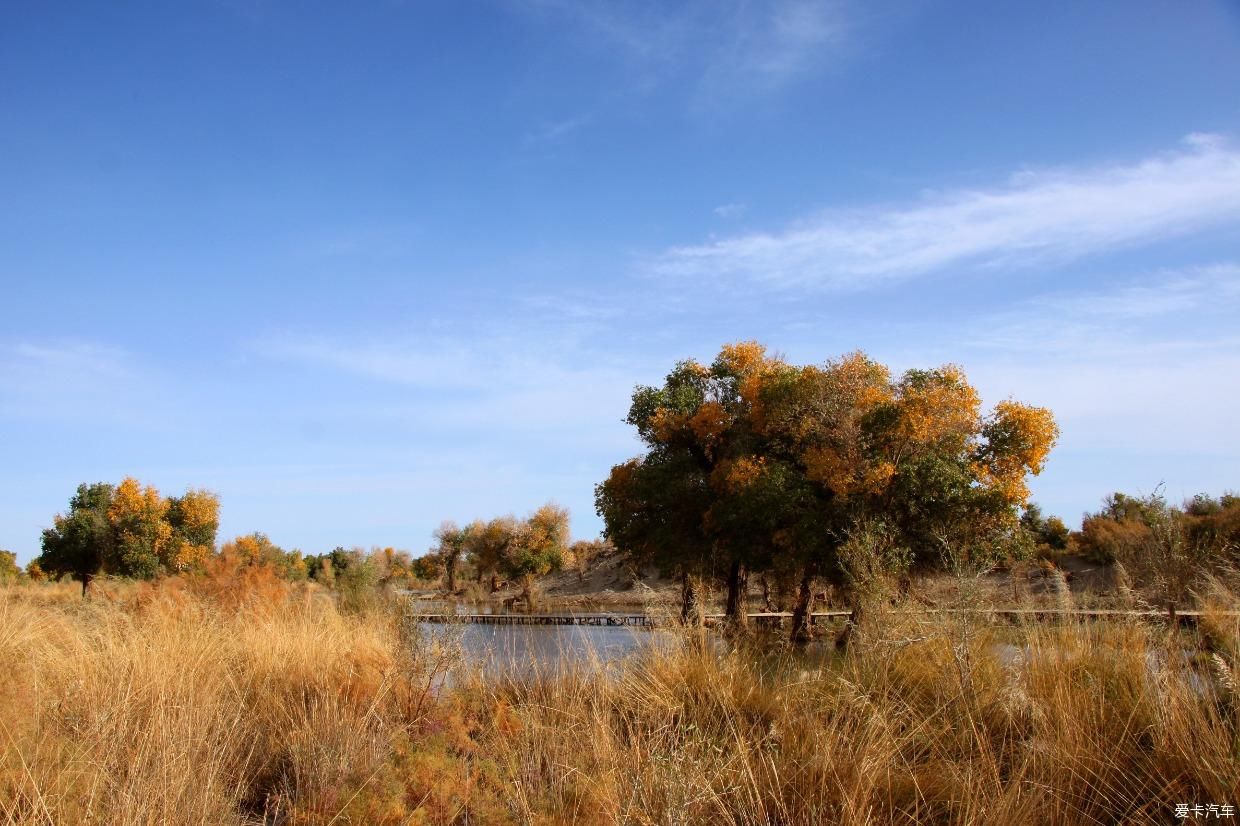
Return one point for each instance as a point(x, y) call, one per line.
point(754, 464)
point(141, 531)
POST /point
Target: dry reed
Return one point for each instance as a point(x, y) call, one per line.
point(254, 702)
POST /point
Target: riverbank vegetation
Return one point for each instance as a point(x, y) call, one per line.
point(805, 473)
point(240, 682)
point(249, 699)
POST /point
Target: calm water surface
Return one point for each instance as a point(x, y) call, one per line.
point(531, 649)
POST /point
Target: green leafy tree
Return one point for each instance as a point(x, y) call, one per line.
point(427, 567)
point(80, 541)
point(772, 467)
point(1047, 532)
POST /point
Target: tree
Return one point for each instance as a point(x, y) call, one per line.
point(584, 552)
point(1047, 532)
point(754, 464)
point(660, 508)
point(356, 583)
point(451, 544)
point(489, 544)
point(257, 550)
point(142, 534)
point(427, 567)
point(653, 509)
point(194, 519)
point(9, 572)
point(81, 541)
point(129, 530)
point(536, 547)
point(1167, 550)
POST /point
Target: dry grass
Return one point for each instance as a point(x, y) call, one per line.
point(252, 702)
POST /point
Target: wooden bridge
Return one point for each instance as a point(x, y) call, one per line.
point(603, 619)
point(778, 618)
point(640, 620)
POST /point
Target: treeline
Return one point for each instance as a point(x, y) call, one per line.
point(130, 530)
point(836, 472)
point(509, 548)
point(1168, 550)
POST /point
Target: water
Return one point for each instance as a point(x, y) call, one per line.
point(533, 649)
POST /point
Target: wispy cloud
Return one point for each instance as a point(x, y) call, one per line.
point(74, 381)
point(556, 131)
point(426, 364)
point(729, 210)
point(1170, 312)
point(724, 47)
point(1037, 214)
point(498, 382)
point(1142, 365)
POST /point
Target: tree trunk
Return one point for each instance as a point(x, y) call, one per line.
point(766, 594)
point(494, 582)
point(804, 608)
point(854, 622)
point(737, 611)
point(451, 569)
point(85, 578)
point(690, 613)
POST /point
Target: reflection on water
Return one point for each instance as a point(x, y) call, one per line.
point(533, 649)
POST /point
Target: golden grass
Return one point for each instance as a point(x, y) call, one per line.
point(254, 702)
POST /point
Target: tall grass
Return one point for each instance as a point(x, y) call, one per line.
point(254, 702)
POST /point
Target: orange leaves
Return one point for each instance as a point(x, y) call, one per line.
point(938, 407)
point(138, 517)
point(666, 423)
point(247, 550)
point(1018, 439)
point(736, 475)
point(710, 422)
point(822, 464)
point(742, 357)
point(180, 555)
point(132, 501)
point(1029, 432)
point(856, 377)
point(847, 474)
point(696, 369)
point(198, 513)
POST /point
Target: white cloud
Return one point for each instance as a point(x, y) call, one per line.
point(729, 210)
point(1059, 214)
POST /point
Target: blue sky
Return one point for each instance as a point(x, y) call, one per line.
point(363, 267)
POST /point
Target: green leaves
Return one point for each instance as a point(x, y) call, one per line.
point(771, 466)
point(129, 530)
